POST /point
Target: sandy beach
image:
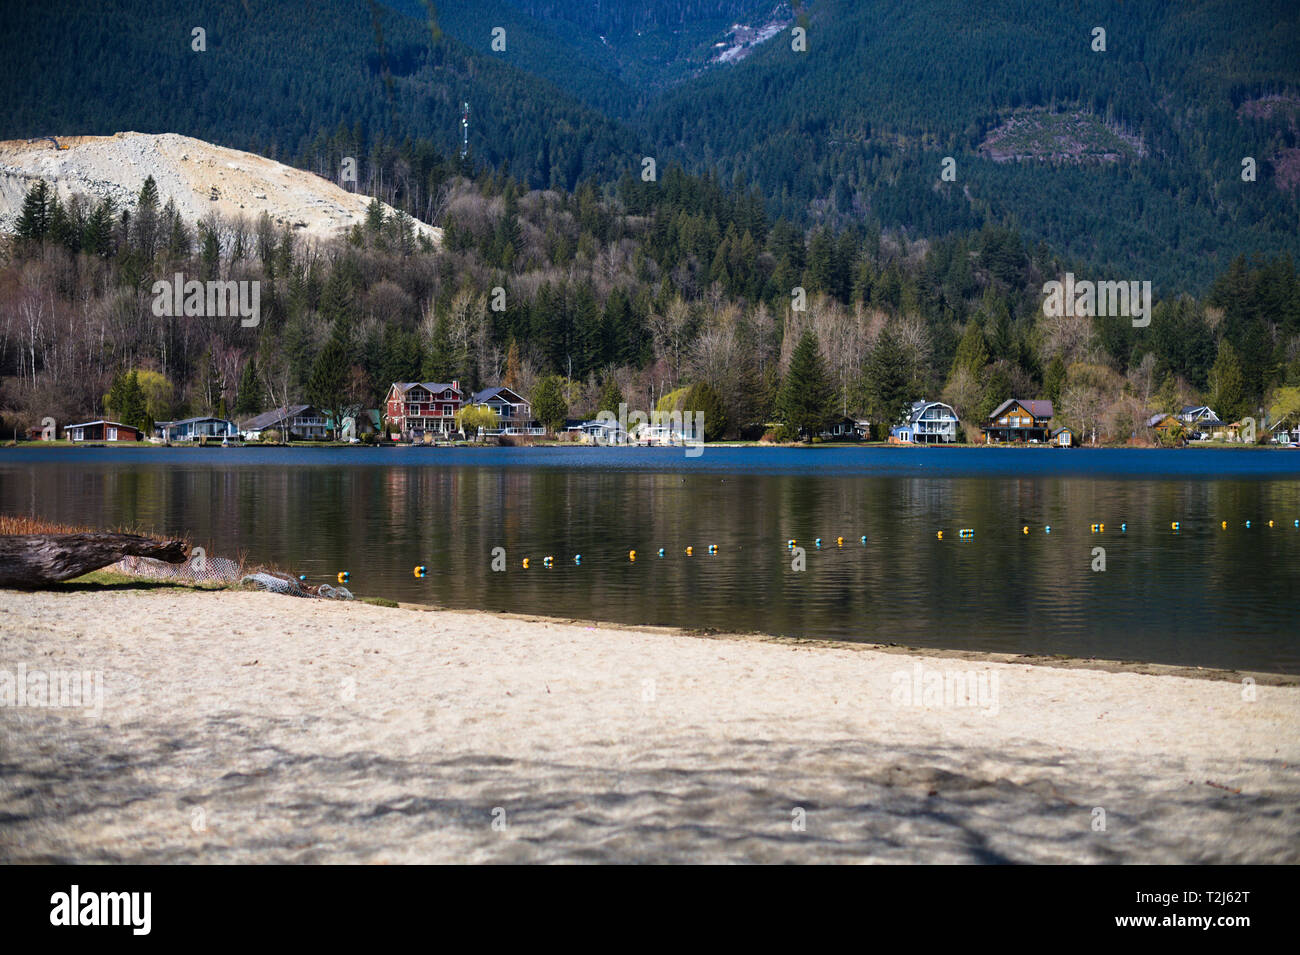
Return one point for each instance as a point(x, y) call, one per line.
point(243, 727)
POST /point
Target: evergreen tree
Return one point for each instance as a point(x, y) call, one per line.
point(806, 401)
point(327, 388)
point(34, 221)
point(145, 224)
point(1227, 383)
point(114, 401)
point(97, 238)
point(1054, 380)
point(972, 353)
point(549, 406)
point(610, 396)
point(249, 400)
point(704, 399)
point(890, 380)
point(134, 406)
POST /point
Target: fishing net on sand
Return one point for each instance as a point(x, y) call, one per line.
point(287, 585)
point(211, 570)
point(222, 570)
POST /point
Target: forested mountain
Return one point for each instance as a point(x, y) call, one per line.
point(1127, 160)
point(276, 77)
point(857, 127)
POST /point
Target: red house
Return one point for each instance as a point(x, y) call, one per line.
point(101, 431)
point(417, 408)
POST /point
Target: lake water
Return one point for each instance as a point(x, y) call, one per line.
point(1200, 595)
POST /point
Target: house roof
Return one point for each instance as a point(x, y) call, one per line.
point(87, 424)
point(919, 408)
point(169, 424)
point(1060, 431)
point(269, 419)
point(430, 386)
point(508, 394)
point(1040, 408)
point(1156, 419)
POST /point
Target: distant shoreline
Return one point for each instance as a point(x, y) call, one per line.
point(473, 445)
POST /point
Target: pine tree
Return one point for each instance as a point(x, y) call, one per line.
point(134, 410)
point(145, 225)
point(610, 396)
point(248, 400)
point(34, 221)
point(549, 406)
point(890, 379)
point(972, 353)
point(704, 399)
point(97, 238)
point(1227, 383)
point(115, 399)
point(1054, 380)
point(327, 388)
point(806, 401)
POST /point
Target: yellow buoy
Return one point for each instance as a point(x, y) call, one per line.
point(525, 563)
point(839, 542)
point(1025, 529)
point(631, 555)
point(940, 535)
point(689, 550)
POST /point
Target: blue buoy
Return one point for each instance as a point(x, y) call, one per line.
point(1123, 528)
point(661, 551)
point(577, 558)
point(1047, 529)
point(818, 542)
point(864, 536)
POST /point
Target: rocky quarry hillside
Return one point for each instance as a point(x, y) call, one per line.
point(201, 178)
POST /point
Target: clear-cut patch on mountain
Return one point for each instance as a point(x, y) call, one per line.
point(201, 178)
point(742, 38)
point(1061, 137)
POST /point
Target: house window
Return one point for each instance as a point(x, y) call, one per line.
point(112, 434)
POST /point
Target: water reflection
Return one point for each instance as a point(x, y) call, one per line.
point(1202, 595)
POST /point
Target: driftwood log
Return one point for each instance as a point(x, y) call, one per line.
point(36, 560)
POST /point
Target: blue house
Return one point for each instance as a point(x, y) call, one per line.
point(194, 429)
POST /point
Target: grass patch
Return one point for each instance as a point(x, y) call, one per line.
point(379, 601)
point(110, 580)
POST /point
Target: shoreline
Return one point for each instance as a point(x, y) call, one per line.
point(12, 445)
point(1057, 660)
point(241, 726)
